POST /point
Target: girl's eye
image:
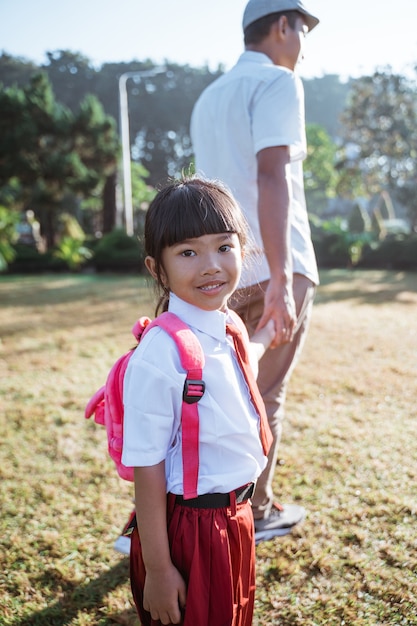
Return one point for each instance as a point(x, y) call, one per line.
point(225, 248)
point(187, 253)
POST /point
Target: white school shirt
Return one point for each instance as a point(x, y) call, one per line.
point(255, 105)
point(231, 453)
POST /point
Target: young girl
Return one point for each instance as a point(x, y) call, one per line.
point(192, 561)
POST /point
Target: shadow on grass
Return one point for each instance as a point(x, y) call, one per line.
point(367, 286)
point(49, 289)
point(76, 598)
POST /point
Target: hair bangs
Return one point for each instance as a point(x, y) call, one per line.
point(196, 212)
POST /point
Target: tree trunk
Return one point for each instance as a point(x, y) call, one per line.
point(47, 224)
point(109, 204)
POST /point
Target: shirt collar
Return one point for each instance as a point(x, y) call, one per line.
point(255, 57)
point(211, 323)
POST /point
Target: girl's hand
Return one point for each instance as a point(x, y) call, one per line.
point(262, 339)
point(164, 591)
point(164, 594)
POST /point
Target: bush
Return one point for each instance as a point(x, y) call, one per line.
point(331, 251)
point(335, 245)
point(395, 252)
point(73, 252)
point(118, 252)
point(358, 220)
point(408, 255)
point(8, 221)
point(28, 260)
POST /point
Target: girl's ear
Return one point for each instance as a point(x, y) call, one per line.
point(150, 266)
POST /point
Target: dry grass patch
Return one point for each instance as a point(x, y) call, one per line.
point(348, 455)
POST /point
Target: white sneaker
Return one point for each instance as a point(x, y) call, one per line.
point(122, 545)
point(280, 521)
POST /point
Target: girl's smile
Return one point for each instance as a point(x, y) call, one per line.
point(211, 287)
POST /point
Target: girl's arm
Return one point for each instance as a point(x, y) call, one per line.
point(165, 590)
point(261, 340)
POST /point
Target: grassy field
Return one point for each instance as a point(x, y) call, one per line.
point(348, 454)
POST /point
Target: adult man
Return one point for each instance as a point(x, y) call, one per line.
point(248, 129)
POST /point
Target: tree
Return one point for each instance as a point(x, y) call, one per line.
point(320, 176)
point(325, 100)
point(34, 127)
point(16, 71)
point(381, 120)
point(50, 151)
point(95, 142)
point(72, 77)
point(109, 204)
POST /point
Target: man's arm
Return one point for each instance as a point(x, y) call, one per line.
point(274, 200)
point(165, 590)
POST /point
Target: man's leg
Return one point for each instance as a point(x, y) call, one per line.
point(275, 369)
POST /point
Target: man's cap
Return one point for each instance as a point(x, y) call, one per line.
point(255, 9)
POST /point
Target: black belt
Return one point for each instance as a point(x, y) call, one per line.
point(217, 500)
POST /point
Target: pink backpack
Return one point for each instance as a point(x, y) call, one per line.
point(107, 403)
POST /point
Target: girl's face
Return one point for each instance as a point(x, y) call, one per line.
point(203, 271)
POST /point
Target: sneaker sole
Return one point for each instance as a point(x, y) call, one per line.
point(266, 535)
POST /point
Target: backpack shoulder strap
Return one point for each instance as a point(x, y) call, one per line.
point(190, 351)
point(192, 360)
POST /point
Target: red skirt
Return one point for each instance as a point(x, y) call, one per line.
point(214, 550)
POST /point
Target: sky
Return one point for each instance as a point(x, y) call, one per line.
point(354, 37)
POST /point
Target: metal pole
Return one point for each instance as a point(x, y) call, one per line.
point(125, 139)
point(124, 134)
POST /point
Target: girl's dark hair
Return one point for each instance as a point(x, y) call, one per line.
point(257, 31)
point(187, 208)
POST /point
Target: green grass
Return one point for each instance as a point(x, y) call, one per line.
point(348, 454)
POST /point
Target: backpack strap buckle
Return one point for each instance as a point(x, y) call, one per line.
point(193, 390)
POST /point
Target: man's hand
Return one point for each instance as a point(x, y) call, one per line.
point(279, 307)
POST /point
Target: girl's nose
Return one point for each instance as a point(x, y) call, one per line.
point(211, 264)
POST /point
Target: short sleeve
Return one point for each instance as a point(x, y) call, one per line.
point(278, 115)
point(152, 399)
